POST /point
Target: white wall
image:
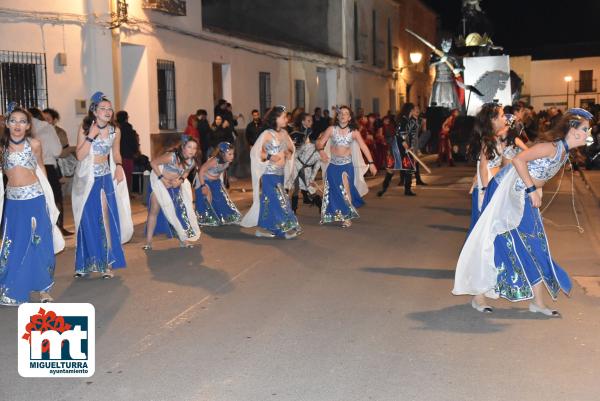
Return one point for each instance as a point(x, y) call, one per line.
point(134, 90)
point(545, 84)
point(88, 48)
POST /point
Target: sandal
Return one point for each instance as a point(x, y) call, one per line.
point(108, 274)
point(45, 297)
point(262, 234)
point(544, 311)
point(290, 235)
point(481, 308)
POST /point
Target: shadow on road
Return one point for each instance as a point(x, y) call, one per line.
point(232, 233)
point(96, 288)
point(454, 211)
point(445, 227)
point(440, 274)
point(184, 267)
point(464, 319)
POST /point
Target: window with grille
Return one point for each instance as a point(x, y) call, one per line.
point(357, 105)
point(586, 81)
point(356, 44)
point(299, 83)
point(374, 36)
point(264, 91)
point(167, 110)
point(390, 65)
point(375, 105)
point(23, 79)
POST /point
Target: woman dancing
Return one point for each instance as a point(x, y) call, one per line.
point(213, 205)
point(100, 197)
point(486, 146)
point(507, 254)
point(170, 205)
point(272, 161)
point(30, 237)
point(343, 167)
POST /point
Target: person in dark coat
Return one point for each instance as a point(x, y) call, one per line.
point(253, 129)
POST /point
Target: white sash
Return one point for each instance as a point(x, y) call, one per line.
point(168, 208)
point(476, 271)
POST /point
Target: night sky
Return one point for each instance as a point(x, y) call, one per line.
point(520, 25)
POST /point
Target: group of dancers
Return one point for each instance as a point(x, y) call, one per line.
point(506, 253)
point(100, 197)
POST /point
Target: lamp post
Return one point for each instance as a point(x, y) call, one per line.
point(568, 79)
point(415, 58)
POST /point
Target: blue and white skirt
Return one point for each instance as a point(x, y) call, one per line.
point(276, 214)
point(98, 250)
point(221, 211)
point(522, 257)
point(27, 252)
point(337, 204)
point(162, 224)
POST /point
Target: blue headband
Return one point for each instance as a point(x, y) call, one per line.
point(184, 138)
point(97, 98)
point(224, 147)
point(583, 113)
point(11, 107)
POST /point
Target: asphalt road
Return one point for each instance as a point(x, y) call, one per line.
point(338, 314)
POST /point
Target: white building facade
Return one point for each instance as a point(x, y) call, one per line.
point(561, 83)
point(156, 61)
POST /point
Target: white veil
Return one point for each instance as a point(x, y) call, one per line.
point(168, 209)
point(257, 167)
point(476, 272)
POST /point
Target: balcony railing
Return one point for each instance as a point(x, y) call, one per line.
point(587, 86)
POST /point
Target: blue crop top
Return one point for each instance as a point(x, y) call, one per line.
point(174, 167)
point(217, 170)
point(102, 146)
point(340, 140)
point(24, 158)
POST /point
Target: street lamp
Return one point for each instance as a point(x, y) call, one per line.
point(568, 79)
point(415, 57)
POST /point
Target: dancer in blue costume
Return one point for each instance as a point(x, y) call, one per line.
point(272, 162)
point(512, 145)
point(170, 204)
point(486, 147)
point(343, 167)
point(213, 205)
point(100, 196)
point(507, 254)
point(30, 237)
